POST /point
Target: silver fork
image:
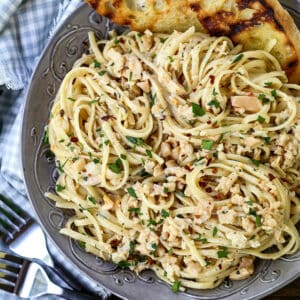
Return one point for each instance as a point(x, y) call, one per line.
point(17, 276)
point(20, 232)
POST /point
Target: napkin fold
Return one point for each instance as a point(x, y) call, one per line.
point(25, 28)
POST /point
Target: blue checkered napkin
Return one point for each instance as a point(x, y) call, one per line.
point(24, 30)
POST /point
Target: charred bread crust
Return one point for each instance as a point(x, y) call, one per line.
point(252, 23)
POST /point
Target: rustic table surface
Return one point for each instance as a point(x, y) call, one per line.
point(291, 291)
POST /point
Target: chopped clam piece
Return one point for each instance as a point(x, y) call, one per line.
point(248, 103)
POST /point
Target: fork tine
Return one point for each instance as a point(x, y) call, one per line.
point(10, 268)
point(17, 210)
point(7, 224)
point(6, 287)
point(6, 257)
point(8, 277)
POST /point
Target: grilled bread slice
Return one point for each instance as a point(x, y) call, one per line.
point(256, 24)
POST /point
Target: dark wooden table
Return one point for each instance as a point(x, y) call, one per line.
point(291, 291)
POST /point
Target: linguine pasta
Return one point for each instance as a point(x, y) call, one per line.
point(178, 153)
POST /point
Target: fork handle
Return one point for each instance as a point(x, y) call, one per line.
point(75, 295)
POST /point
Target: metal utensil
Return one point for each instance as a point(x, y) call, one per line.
point(20, 232)
point(17, 276)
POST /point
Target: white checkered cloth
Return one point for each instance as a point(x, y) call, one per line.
point(24, 31)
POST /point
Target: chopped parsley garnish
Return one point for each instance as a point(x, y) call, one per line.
point(222, 253)
point(82, 208)
point(267, 140)
point(116, 167)
point(263, 99)
point(252, 212)
point(96, 64)
point(46, 136)
point(102, 72)
point(255, 162)
point(93, 101)
point(123, 264)
point(166, 190)
point(96, 161)
point(152, 99)
point(274, 94)
point(151, 222)
point(81, 244)
point(92, 199)
point(135, 141)
point(238, 57)
point(61, 166)
point(131, 247)
point(106, 142)
point(201, 239)
point(116, 41)
point(215, 231)
point(149, 153)
point(59, 188)
point(171, 59)
point(143, 173)
point(130, 76)
point(164, 213)
point(135, 210)
point(214, 103)
point(162, 40)
point(154, 246)
point(123, 156)
point(71, 99)
point(258, 220)
point(197, 110)
point(261, 119)
point(131, 192)
point(176, 286)
point(268, 84)
point(180, 194)
point(214, 92)
point(171, 251)
point(250, 203)
point(207, 144)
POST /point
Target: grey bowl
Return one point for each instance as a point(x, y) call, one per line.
point(67, 45)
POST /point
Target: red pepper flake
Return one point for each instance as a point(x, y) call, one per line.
point(215, 126)
point(208, 122)
point(215, 170)
point(205, 178)
point(191, 230)
point(250, 94)
point(150, 261)
point(219, 196)
point(115, 243)
point(197, 216)
point(74, 139)
point(203, 184)
point(188, 167)
point(208, 190)
point(61, 112)
point(106, 118)
point(208, 161)
point(271, 176)
point(189, 135)
point(212, 79)
point(121, 40)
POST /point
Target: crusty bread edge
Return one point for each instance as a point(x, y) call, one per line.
point(292, 31)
